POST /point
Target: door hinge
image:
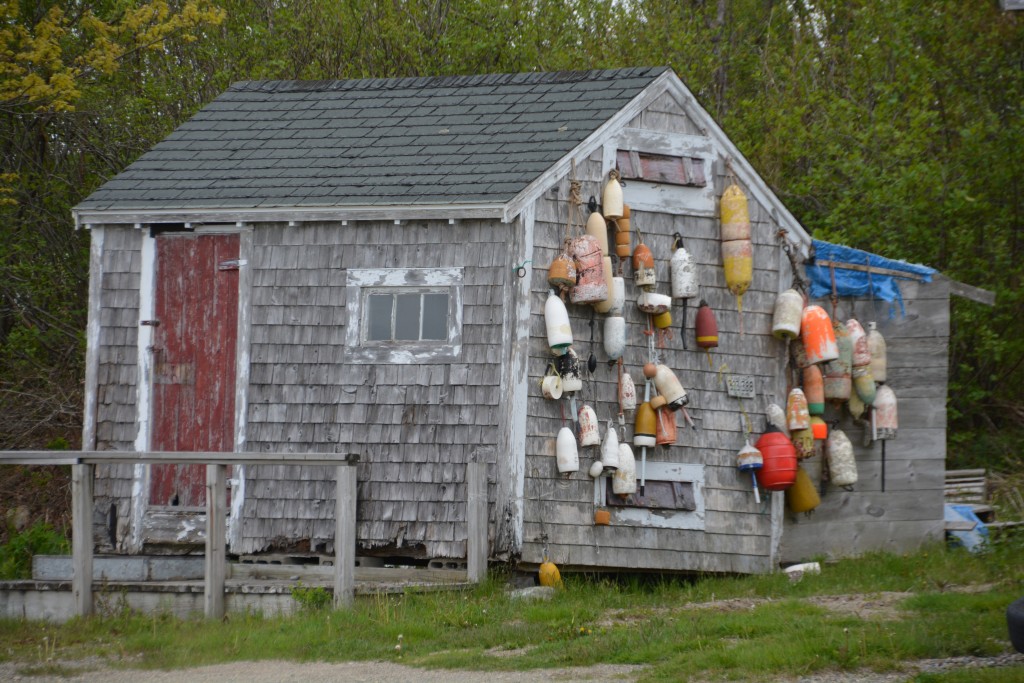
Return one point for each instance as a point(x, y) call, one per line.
point(151, 323)
point(231, 264)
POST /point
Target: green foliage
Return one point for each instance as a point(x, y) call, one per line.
point(312, 597)
point(38, 539)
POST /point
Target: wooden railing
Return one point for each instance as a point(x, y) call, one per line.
point(83, 470)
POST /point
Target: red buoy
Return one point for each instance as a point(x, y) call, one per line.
point(706, 328)
point(779, 471)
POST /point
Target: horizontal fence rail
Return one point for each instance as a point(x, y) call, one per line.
point(83, 471)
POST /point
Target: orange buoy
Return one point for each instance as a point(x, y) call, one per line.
point(814, 389)
point(667, 431)
point(622, 238)
point(779, 471)
point(562, 272)
point(644, 275)
point(819, 339)
point(819, 428)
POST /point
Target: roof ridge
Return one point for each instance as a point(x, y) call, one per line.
point(422, 82)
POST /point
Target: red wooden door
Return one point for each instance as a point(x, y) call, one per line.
point(193, 359)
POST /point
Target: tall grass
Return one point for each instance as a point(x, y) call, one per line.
point(766, 629)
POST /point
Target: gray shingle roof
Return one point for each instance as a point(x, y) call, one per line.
point(457, 139)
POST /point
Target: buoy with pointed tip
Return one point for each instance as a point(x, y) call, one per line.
point(797, 415)
point(859, 340)
point(610, 448)
point(566, 454)
point(819, 339)
point(598, 227)
point(611, 199)
point(788, 312)
point(777, 417)
point(842, 466)
point(624, 480)
point(556, 319)
point(749, 459)
point(627, 392)
point(644, 275)
point(864, 385)
point(706, 329)
point(814, 390)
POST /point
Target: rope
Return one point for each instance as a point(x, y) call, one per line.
point(835, 294)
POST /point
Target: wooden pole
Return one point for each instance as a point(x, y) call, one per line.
point(345, 537)
point(216, 536)
point(81, 537)
point(476, 521)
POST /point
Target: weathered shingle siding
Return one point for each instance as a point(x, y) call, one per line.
point(909, 512)
point(737, 534)
point(414, 426)
point(117, 372)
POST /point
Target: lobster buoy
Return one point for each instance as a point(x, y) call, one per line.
point(814, 390)
point(622, 239)
point(598, 227)
point(627, 392)
point(556, 320)
point(819, 339)
point(615, 336)
point(819, 428)
point(684, 272)
point(596, 469)
point(802, 496)
point(779, 470)
point(610, 448)
point(566, 454)
point(617, 296)
point(611, 199)
point(885, 416)
point(798, 354)
point(569, 370)
point(803, 442)
point(653, 303)
point(669, 386)
point(667, 431)
point(605, 305)
point(591, 286)
point(837, 372)
point(876, 347)
point(645, 431)
point(777, 417)
point(590, 433)
point(749, 459)
point(548, 574)
point(624, 480)
point(789, 310)
point(864, 385)
point(562, 272)
point(737, 250)
point(644, 275)
point(859, 340)
point(797, 415)
point(855, 405)
point(842, 466)
point(663, 320)
point(706, 328)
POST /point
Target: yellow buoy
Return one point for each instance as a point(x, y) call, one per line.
point(548, 574)
point(737, 249)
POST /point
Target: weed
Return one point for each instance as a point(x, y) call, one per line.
point(16, 554)
point(312, 597)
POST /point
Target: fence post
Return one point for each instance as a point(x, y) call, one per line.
point(81, 537)
point(345, 536)
point(476, 521)
point(215, 569)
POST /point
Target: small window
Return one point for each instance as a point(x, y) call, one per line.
point(658, 495)
point(403, 315)
point(406, 316)
point(661, 168)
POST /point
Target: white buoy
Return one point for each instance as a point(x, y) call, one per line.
point(617, 296)
point(653, 302)
point(606, 305)
point(624, 480)
point(610, 448)
point(597, 469)
point(614, 336)
point(684, 273)
point(627, 393)
point(590, 434)
point(556, 319)
point(567, 455)
point(842, 466)
point(598, 227)
point(611, 199)
point(789, 311)
point(876, 347)
point(669, 386)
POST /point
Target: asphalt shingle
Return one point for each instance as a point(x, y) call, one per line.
point(373, 141)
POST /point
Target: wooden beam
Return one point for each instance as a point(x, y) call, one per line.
point(216, 535)
point(345, 536)
point(81, 537)
point(869, 269)
point(476, 521)
point(166, 457)
point(965, 291)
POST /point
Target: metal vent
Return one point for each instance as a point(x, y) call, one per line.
point(739, 386)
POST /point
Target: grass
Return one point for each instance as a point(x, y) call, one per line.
point(767, 629)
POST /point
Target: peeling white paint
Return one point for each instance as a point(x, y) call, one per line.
point(667, 519)
point(147, 305)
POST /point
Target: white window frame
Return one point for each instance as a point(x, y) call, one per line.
point(362, 282)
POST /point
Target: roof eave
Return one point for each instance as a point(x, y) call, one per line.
point(283, 214)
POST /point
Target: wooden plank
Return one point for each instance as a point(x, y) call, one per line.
point(877, 270)
point(150, 457)
point(82, 479)
point(982, 296)
point(842, 538)
point(345, 536)
point(476, 519)
point(216, 535)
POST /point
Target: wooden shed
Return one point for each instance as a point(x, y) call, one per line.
point(360, 267)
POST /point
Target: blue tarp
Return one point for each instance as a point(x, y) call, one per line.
point(975, 539)
point(857, 283)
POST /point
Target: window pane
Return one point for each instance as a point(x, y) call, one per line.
point(435, 316)
point(407, 317)
point(378, 317)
